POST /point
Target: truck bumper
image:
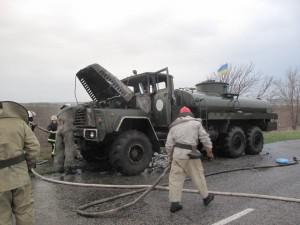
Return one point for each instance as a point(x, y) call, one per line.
point(271, 126)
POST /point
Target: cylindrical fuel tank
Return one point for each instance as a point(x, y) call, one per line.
point(213, 97)
point(230, 104)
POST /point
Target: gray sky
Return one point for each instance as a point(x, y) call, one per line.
point(45, 42)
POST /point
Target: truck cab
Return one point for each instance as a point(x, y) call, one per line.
point(154, 93)
point(122, 113)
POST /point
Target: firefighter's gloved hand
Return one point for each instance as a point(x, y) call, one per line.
point(31, 164)
point(209, 154)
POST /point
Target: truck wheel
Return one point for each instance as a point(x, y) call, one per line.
point(255, 141)
point(235, 142)
point(131, 152)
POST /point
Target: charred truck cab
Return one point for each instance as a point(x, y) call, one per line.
point(121, 124)
point(128, 119)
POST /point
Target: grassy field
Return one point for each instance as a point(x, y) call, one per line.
point(281, 136)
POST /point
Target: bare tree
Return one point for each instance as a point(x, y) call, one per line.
point(244, 80)
point(240, 78)
point(265, 87)
point(289, 93)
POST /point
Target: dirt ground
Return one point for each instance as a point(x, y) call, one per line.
point(284, 122)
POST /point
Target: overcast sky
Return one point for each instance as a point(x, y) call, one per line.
point(44, 43)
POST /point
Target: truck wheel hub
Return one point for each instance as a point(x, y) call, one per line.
point(135, 153)
point(237, 142)
point(257, 140)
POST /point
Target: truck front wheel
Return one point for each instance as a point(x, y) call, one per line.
point(131, 152)
point(255, 141)
point(235, 142)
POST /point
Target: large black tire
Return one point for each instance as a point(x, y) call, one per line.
point(131, 152)
point(255, 141)
point(235, 142)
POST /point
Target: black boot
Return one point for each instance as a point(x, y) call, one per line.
point(70, 171)
point(208, 199)
point(175, 206)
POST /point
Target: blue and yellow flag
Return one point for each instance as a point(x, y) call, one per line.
point(223, 69)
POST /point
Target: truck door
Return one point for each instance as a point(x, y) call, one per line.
point(162, 101)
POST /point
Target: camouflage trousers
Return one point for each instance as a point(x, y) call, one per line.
point(181, 168)
point(18, 203)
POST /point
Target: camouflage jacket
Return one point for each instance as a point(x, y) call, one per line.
point(16, 137)
point(186, 130)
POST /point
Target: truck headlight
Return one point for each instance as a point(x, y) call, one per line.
point(90, 134)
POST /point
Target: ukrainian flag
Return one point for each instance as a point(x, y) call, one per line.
point(223, 69)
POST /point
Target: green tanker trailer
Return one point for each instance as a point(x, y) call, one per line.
point(235, 123)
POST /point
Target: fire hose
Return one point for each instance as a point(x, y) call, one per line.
point(146, 189)
point(43, 129)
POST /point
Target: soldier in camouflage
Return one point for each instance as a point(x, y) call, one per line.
point(181, 145)
point(19, 149)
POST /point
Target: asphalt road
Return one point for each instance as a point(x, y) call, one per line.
point(55, 204)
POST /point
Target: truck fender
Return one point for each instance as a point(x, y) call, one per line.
point(141, 123)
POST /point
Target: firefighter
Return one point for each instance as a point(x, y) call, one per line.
point(31, 116)
point(52, 128)
point(19, 149)
point(181, 145)
point(68, 157)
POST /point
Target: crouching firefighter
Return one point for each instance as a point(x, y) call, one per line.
point(19, 149)
point(181, 145)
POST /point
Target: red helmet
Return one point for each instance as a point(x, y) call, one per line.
point(184, 109)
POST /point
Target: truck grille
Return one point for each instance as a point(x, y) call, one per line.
point(80, 118)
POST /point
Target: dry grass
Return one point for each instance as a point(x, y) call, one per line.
point(276, 136)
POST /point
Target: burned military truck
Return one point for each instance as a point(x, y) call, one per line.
point(128, 120)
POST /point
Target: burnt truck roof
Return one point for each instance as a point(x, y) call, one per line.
point(156, 77)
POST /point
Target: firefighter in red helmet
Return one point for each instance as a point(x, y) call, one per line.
point(181, 145)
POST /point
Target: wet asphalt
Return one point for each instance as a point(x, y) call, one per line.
point(56, 204)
